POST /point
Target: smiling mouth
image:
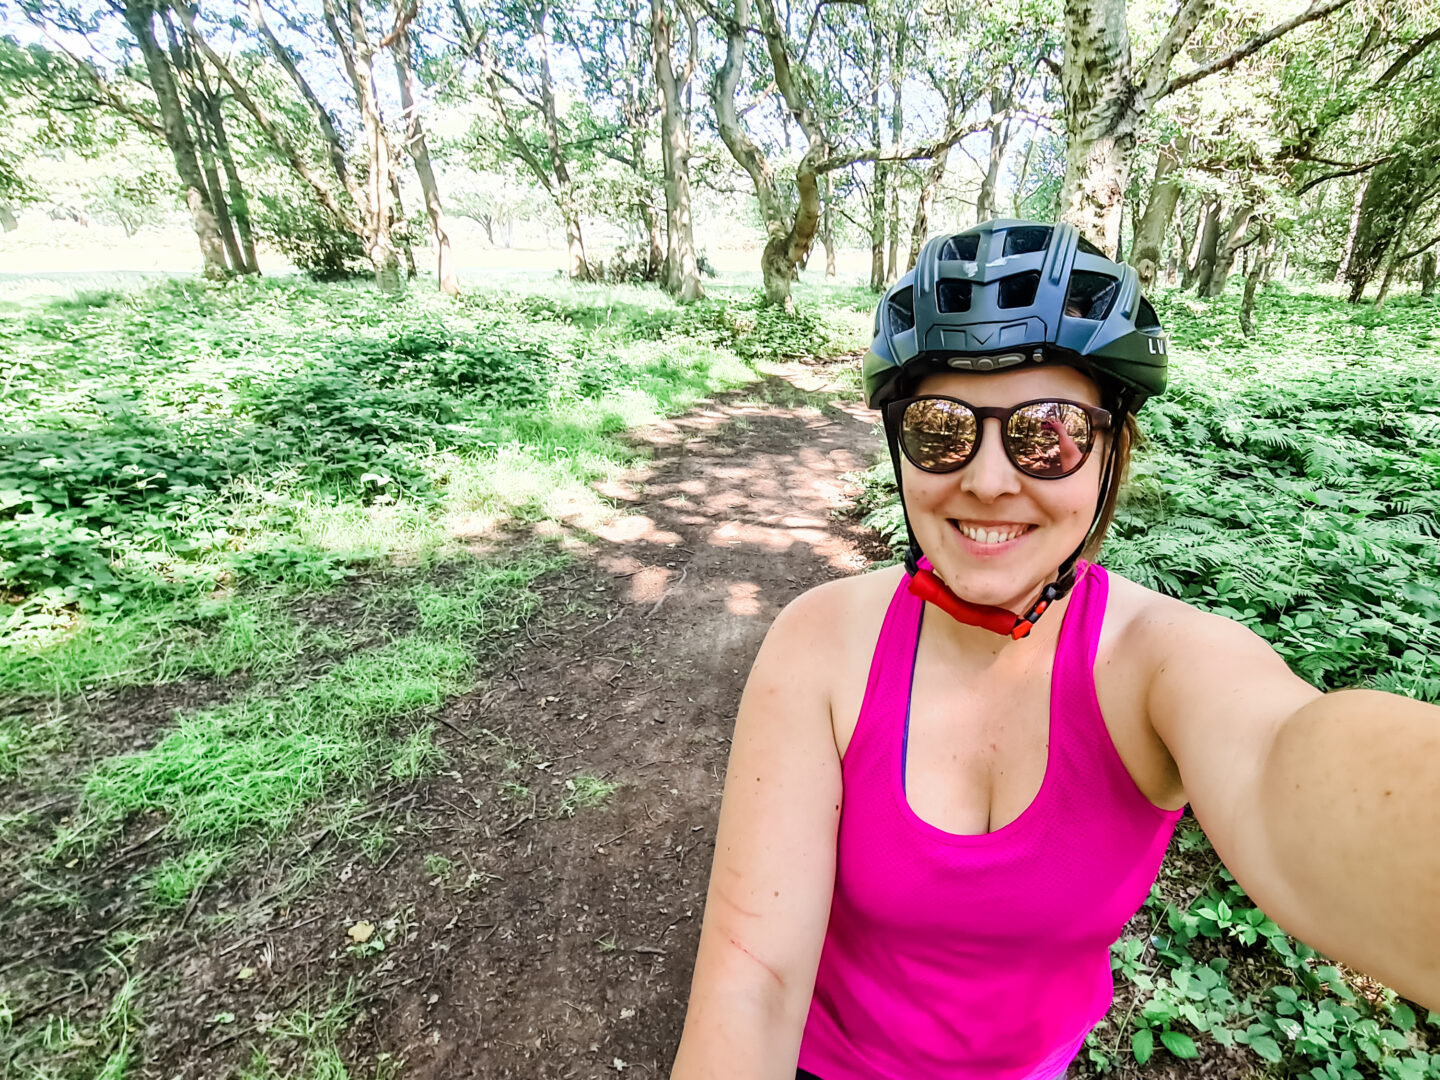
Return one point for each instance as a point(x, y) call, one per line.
point(992, 534)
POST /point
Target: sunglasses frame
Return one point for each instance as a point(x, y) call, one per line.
point(1100, 420)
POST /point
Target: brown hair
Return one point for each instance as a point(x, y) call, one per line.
point(1127, 436)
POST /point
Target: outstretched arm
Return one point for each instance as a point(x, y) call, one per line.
point(771, 882)
point(1325, 807)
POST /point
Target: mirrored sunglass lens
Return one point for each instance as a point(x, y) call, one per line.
point(938, 435)
point(1048, 438)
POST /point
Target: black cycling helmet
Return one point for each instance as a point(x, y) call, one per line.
point(1010, 292)
point(1000, 295)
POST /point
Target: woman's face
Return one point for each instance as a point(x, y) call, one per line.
point(994, 534)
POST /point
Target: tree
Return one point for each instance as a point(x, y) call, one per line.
point(352, 37)
point(680, 273)
point(1107, 94)
point(416, 146)
point(517, 57)
point(1146, 252)
point(791, 226)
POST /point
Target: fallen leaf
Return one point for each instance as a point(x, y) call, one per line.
point(361, 932)
point(245, 973)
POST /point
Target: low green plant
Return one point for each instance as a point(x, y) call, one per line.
point(584, 793)
point(176, 879)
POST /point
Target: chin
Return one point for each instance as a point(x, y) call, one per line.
point(1009, 579)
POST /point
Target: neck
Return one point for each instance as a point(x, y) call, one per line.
point(986, 628)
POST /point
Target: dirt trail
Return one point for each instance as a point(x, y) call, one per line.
point(559, 944)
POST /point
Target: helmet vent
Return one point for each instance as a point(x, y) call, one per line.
point(1146, 319)
point(952, 297)
point(962, 248)
point(901, 307)
point(1090, 249)
point(1026, 240)
point(1018, 290)
point(1091, 295)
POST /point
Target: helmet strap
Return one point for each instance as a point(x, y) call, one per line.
point(925, 584)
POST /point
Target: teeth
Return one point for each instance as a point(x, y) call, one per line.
point(993, 536)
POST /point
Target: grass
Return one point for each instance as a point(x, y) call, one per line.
point(585, 793)
point(305, 1044)
point(257, 762)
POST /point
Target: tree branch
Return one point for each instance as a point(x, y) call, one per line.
point(913, 153)
point(1363, 167)
point(1404, 58)
point(1419, 251)
point(487, 67)
point(815, 21)
point(1318, 9)
point(1156, 70)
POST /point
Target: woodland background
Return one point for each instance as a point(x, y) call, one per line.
point(277, 523)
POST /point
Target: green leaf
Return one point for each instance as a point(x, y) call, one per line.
point(1266, 1047)
point(1179, 1044)
point(1142, 1044)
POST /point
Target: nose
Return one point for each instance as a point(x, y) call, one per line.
point(990, 473)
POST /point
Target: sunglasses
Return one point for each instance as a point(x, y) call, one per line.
point(1047, 439)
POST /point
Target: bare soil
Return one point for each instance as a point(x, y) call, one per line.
point(524, 933)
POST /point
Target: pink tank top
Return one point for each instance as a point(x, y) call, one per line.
point(956, 957)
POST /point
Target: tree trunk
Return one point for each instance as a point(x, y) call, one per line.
point(985, 205)
point(1392, 256)
point(358, 56)
point(579, 265)
point(1258, 271)
point(827, 230)
point(183, 64)
point(1097, 81)
point(139, 16)
point(681, 276)
point(1206, 248)
point(1348, 253)
point(420, 152)
point(1019, 194)
point(239, 204)
point(930, 183)
point(217, 193)
point(877, 229)
point(775, 267)
point(1427, 274)
point(897, 135)
point(920, 229)
point(1225, 253)
point(1148, 251)
point(400, 222)
point(880, 172)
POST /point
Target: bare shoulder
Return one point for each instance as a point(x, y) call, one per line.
point(1205, 683)
point(832, 610)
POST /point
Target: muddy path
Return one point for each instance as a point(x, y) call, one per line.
point(529, 921)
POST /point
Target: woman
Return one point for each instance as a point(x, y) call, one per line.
point(940, 814)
